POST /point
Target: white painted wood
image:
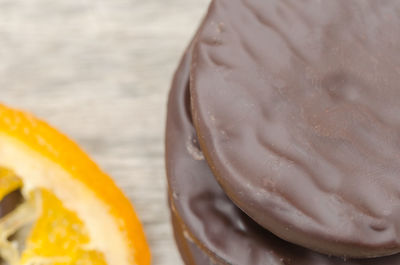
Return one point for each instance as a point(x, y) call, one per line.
point(100, 70)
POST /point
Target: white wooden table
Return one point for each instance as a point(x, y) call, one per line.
point(100, 70)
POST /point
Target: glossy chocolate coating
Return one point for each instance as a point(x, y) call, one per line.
point(10, 202)
point(190, 252)
point(297, 107)
point(214, 223)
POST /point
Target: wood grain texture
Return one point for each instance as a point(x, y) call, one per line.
point(100, 71)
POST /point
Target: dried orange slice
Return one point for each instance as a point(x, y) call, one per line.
point(71, 213)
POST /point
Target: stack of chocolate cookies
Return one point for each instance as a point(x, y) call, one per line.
point(283, 134)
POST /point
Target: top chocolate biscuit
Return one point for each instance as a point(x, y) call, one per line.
point(297, 108)
point(216, 231)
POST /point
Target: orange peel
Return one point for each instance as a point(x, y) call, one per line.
point(49, 162)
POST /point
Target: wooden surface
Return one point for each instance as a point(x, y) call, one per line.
point(100, 70)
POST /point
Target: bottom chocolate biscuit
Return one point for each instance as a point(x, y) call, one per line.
point(219, 229)
point(190, 252)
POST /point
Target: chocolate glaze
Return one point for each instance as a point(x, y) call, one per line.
point(190, 252)
point(10, 202)
point(297, 106)
point(210, 219)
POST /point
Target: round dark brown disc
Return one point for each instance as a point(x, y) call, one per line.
point(297, 107)
point(190, 252)
point(210, 220)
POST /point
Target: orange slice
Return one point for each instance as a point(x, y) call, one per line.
point(73, 213)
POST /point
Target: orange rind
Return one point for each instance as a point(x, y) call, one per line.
point(73, 213)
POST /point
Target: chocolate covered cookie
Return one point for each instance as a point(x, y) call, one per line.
point(297, 108)
point(190, 252)
point(213, 224)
